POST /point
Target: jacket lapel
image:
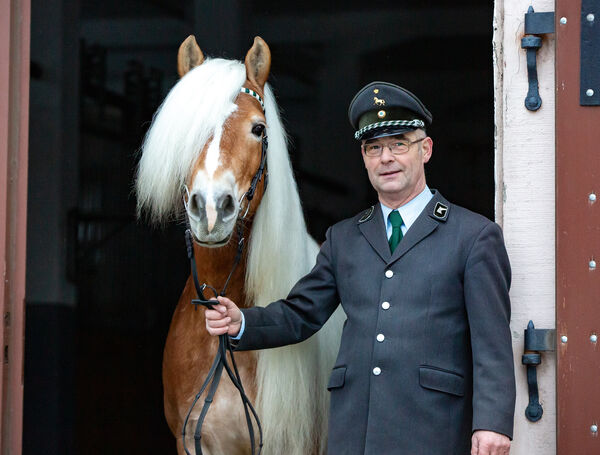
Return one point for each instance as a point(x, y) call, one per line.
point(374, 231)
point(424, 225)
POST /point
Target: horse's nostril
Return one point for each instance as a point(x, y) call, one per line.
point(228, 206)
point(196, 204)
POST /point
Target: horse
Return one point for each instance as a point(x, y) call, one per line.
point(198, 159)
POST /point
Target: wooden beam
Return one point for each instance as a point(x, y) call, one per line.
point(14, 108)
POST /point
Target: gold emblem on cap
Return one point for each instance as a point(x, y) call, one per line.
point(381, 114)
point(376, 90)
point(379, 101)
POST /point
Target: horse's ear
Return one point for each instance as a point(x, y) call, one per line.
point(258, 62)
point(189, 56)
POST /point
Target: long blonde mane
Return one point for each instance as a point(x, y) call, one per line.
point(281, 251)
point(292, 398)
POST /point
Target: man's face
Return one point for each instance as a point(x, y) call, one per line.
point(398, 176)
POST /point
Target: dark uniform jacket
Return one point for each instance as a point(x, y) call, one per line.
point(426, 355)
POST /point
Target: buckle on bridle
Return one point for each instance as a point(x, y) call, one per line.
point(244, 196)
point(186, 197)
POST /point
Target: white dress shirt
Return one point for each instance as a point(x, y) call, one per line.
point(409, 211)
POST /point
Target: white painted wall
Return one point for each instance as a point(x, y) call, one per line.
point(525, 207)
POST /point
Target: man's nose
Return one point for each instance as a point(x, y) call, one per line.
point(386, 154)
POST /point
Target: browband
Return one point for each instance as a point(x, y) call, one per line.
point(254, 94)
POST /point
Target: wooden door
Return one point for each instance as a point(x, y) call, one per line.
point(577, 237)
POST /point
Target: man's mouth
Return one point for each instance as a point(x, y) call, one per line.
point(387, 173)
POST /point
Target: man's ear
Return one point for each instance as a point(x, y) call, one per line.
point(427, 147)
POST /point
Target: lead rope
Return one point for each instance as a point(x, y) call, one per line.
point(220, 362)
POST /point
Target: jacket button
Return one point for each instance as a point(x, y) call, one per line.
point(380, 337)
point(385, 305)
point(376, 371)
point(389, 274)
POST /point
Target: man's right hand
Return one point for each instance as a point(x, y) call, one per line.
point(225, 317)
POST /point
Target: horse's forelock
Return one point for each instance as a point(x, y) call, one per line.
point(197, 105)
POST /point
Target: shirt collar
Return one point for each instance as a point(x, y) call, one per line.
point(411, 210)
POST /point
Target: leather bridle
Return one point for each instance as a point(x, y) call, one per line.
point(221, 362)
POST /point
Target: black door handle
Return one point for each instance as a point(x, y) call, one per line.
point(535, 24)
point(536, 341)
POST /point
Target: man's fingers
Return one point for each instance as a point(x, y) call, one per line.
point(223, 318)
point(214, 314)
point(218, 322)
point(489, 443)
point(225, 301)
point(215, 304)
point(218, 331)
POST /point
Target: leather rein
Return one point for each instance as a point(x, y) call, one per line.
point(221, 362)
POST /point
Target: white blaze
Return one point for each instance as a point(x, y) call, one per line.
point(211, 215)
point(211, 164)
point(212, 161)
point(214, 151)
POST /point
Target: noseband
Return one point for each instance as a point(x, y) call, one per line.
point(220, 362)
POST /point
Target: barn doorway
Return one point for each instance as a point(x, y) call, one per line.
point(101, 286)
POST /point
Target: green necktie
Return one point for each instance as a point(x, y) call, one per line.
point(396, 236)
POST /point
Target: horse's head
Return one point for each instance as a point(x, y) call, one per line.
point(207, 137)
point(205, 144)
point(226, 166)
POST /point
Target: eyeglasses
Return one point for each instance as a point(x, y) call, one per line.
point(397, 147)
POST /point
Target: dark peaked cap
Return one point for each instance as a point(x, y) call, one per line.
point(384, 109)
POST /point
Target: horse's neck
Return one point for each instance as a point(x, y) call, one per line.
point(214, 266)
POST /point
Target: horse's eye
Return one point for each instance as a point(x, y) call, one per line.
point(258, 129)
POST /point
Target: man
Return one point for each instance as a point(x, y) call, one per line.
point(425, 364)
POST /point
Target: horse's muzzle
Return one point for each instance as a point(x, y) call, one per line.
point(212, 220)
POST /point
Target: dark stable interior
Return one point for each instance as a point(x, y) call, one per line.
point(101, 285)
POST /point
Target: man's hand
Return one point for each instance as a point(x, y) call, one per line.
point(489, 443)
point(226, 317)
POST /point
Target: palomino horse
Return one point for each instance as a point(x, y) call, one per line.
point(205, 143)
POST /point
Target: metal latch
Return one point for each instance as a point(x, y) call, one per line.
point(536, 341)
point(535, 24)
